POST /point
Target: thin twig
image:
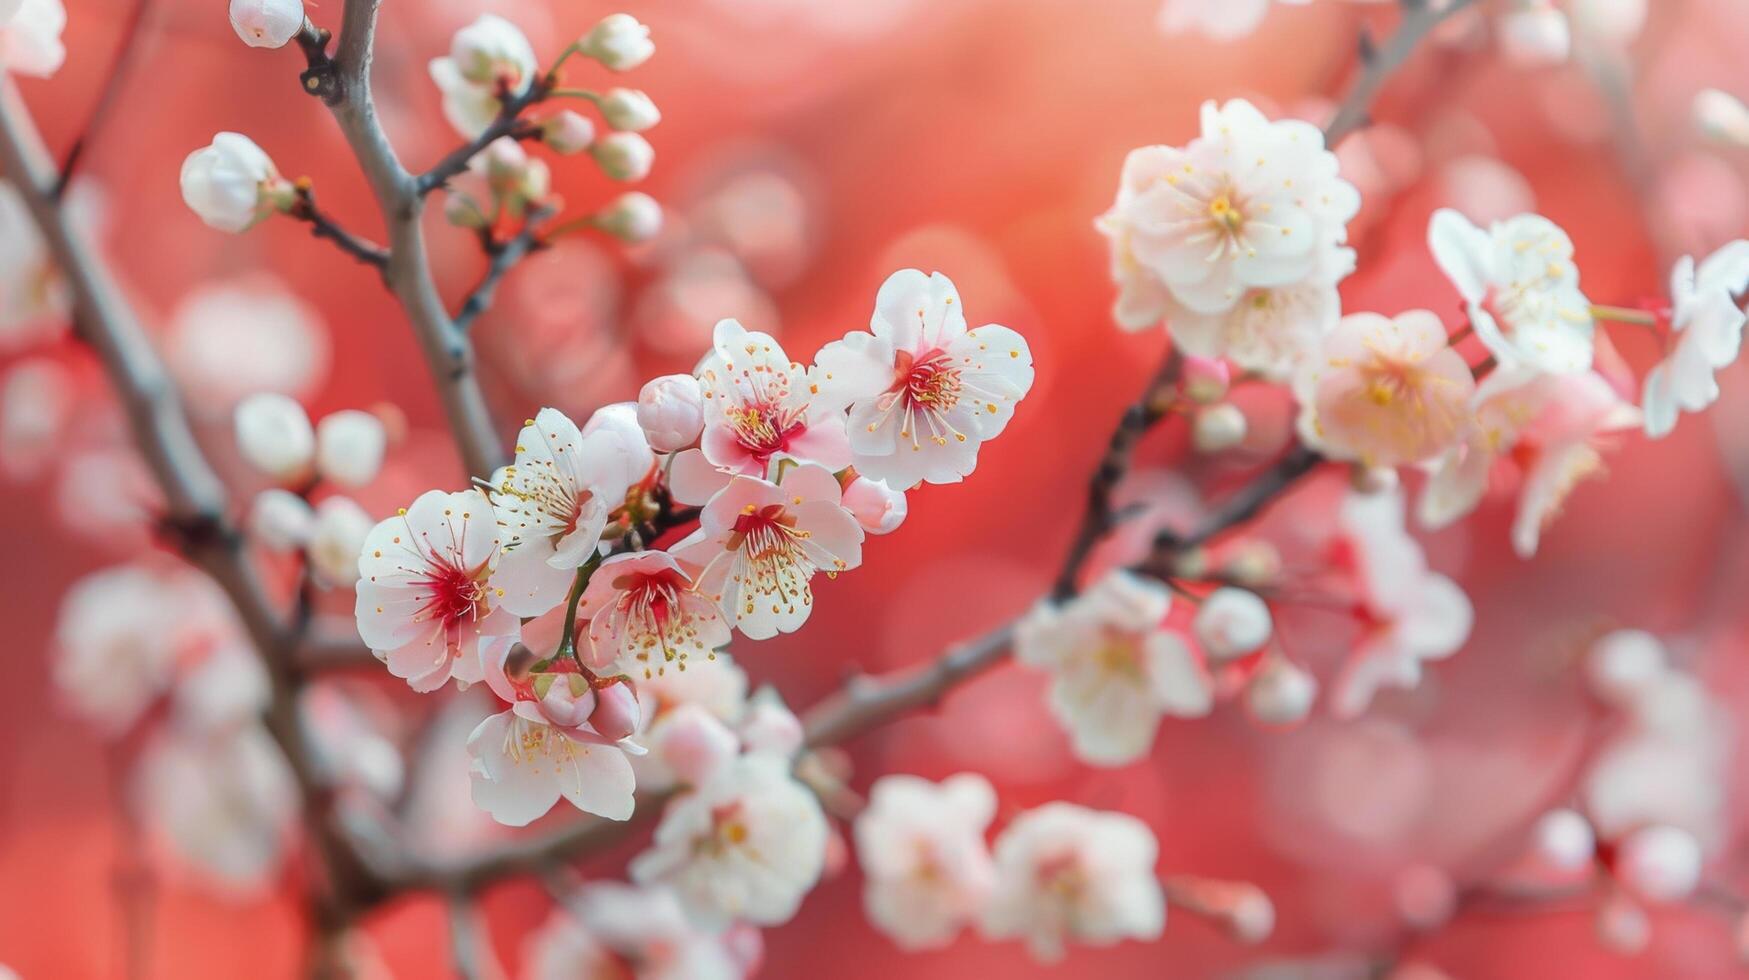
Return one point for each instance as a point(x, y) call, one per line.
point(1377, 62)
point(509, 123)
point(322, 226)
point(128, 52)
point(503, 257)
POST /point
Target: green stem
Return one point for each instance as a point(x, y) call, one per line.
point(570, 227)
point(565, 55)
point(575, 93)
point(1622, 314)
point(568, 639)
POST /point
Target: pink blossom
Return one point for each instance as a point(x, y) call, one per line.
point(921, 845)
point(759, 407)
point(645, 612)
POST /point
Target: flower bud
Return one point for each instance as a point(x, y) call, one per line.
point(616, 714)
point(1252, 564)
point(769, 726)
point(267, 23)
point(619, 42)
point(877, 507)
point(1623, 665)
point(1622, 925)
point(632, 217)
point(1721, 116)
point(232, 184)
point(349, 447)
point(671, 412)
point(1232, 623)
point(1535, 35)
point(567, 132)
point(629, 110)
point(1611, 21)
point(565, 700)
point(1660, 864)
point(694, 743)
point(461, 210)
point(281, 520)
point(493, 51)
point(1206, 379)
point(1281, 692)
point(275, 436)
point(336, 542)
point(1218, 428)
point(503, 162)
point(623, 156)
point(1562, 841)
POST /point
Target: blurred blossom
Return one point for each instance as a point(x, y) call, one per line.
point(1220, 20)
point(715, 688)
point(1721, 116)
point(921, 847)
point(1349, 796)
point(30, 40)
point(336, 537)
point(484, 55)
point(761, 216)
point(1485, 189)
point(1534, 33)
point(619, 42)
point(862, 21)
point(553, 332)
point(36, 407)
point(642, 933)
point(228, 340)
point(275, 436)
point(349, 447)
point(108, 496)
point(33, 301)
point(1708, 323)
point(1610, 21)
point(348, 741)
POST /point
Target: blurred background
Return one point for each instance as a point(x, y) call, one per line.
point(806, 150)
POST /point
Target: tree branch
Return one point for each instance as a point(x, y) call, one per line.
point(1377, 63)
point(121, 66)
point(502, 257)
point(322, 226)
point(509, 123)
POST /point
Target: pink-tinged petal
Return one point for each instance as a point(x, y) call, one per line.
point(901, 309)
point(809, 482)
point(1180, 684)
point(1456, 486)
point(531, 584)
point(997, 370)
point(495, 665)
point(388, 617)
point(1551, 478)
point(823, 442)
point(834, 536)
point(424, 662)
point(724, 451)
point(1440, 621)
point(851, 370)
point(597, 779)
point(577, 547)
point(692, 479)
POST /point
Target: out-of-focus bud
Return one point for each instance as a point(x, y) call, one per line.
point(623, 156)
point(267, 23)
point(461, 210)
point(336, 541)
point(629, 110)
point(671, 412)
point(1563, 842)
point(1253, 915)
point(1659, 864)
point(1426, 897)
point(877, 507)
point(281, 520)
point(1240, 907)
point(769, 726)
point(1623, 665)
point(616, 714)
point(349, 447)
point(493, 51)
point(1535, 34)
point(1206, 379)
point(1373, 479)
point(536, 184)
point(1253, 564)
point(1218, 428)
point(1611, 21)
point(620, 420)
point(1232, 623)
point(231, 184)
point(1622, 925)
point(694, 743)
point(567, 132)
point(1721, 116)
point(275, 436)
point(1281, 692)
point(632, 217)
point(504, 163)
point(619, 42)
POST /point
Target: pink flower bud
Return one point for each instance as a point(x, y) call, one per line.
point(616, 713)
point(877, 507)
point(567, 132)
point(769, 726)
point(632, 217)
point(266, 23)
point(1206, 379)
point(566, 700)
point(694, 743)
point(671, 412)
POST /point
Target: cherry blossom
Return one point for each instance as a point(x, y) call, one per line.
point(425, 602)
point(610, 929)
point(1270, 330)
point(281, 521)
point(232, 339)
point(1248, 204)
point(266, 23)
point(567, 131)
point(878, 507)
point(33, 303)
point(552, 505)
point(1115, 671)
point(759, 408)
point(1522, 289)
point(487, 56)
point(1408, 613)
point(714, 689)
point(623, 156)
point(619, 42)
point(923, 391)
point(1708, 327)
point(629, 110)
point(1385, 391)
point(631, 217)
point(522, 763)
point(645, 613)
point(745, 846)
point(232, 185)
point(1064, 872)
point(1221, 20)
point(121, 633)
point(30, 39)
point(921, 845)
point(759, 544)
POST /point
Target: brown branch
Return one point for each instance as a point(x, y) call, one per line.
point(502, 257)
point(509, 123)
point(322, 226)
point(1377, 62)
point(121, 66)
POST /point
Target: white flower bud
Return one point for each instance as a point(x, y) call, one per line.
point(619, 42)
point(567, 132)
point(267, 23)
point(1218, 428)
point(1232, 623)
point(504, 163)
point(281, 520)
point(275, 436)
point(1535, 36)
point(1622, 925)
point(1610, 21)
point(671, 412)
point(491, 51)
point(624, 156)
point(632, 217)
point(461, 210)
point(1563, 842)
point(877, 507)
point(1660, 864)
point(1721, 116)
point(349, 447)
point(1281, 692)
point(630, 110)
point(335, 543)
point(1624, 665)
point(232, 184)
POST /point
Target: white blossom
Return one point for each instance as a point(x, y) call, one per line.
point(1521, 286)
point(489, 54)
point(613, 930)
point(1707, 324)
point(231, 339)
point(1231, 623)
point(30, 40)
point(335, 541)
point(1660, 864)
point(522, 765)
point(927, 871)
point(282, 521)
point(1218, 428)
point(1221, 20)
point(1721, 116)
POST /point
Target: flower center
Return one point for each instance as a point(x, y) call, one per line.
point(655, 616)
point(762, 430)
point(1222, 212)
point(453, 594)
